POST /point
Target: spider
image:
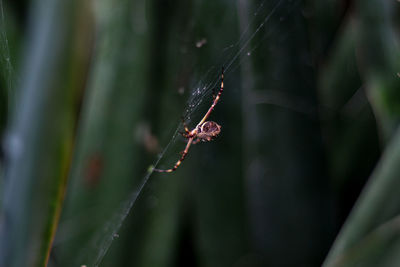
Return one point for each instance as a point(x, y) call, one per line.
point(204, 130)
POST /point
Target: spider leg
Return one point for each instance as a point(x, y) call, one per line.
point(191, 135)
point(185, 126)
point(196, 141)
point(215, 99)
point(184, 134)
point(184, 153)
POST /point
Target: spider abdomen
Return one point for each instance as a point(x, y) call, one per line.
point(208, 130)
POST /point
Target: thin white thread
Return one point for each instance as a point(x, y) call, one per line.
point(201, 90)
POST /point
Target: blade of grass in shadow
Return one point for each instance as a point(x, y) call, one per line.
point(40, 139)
point(346, 112)
point(109, 141)
point(276, 137)
point(379, 202)
point(377, 52)
point(379, 248)
point(378, 55)
point(6, 75)
point(336, 85)
point(5, 62)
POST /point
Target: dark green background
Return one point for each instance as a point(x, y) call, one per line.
point(96, 90)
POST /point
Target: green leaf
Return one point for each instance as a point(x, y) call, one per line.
point(379, 248)
point(40, 139)
point(378, 203)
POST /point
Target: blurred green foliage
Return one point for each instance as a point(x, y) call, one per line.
point(91, 92)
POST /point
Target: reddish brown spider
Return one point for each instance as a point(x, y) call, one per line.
point(204, 131)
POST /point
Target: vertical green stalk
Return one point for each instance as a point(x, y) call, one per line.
point(378, 58)
point(378, 204)
point(5, 64)
point(379, 61)
point(107, 156)
point(40, 139)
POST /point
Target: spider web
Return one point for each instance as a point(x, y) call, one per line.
point(231, 58)
point(231, 61)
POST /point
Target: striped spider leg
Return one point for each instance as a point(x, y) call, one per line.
point(204, 130)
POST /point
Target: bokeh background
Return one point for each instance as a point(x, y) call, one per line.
point(306, 171)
